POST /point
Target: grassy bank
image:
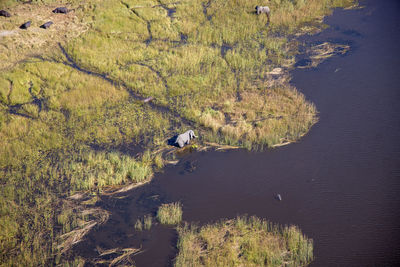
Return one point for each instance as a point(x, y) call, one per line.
point(72, 116)
point(243, 242)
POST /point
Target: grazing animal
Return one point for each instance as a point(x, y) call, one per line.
point(4, 13)
point(184, 139)
point(263, 10)
point(46, 25)
point(63, 10)
point(26, 25)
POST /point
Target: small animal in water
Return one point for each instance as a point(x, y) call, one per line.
point(184, 139)
point(26, 25)
point(46, 25)
point(63, 10)
point(263, 10)
point(4, 13)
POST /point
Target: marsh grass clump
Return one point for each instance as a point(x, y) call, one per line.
point(170, 213)
point(144, 223)
point(244, 241)
point(159, 161)
point(139, 225)
point(94, 169)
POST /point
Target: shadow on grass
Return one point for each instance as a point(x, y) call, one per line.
point(172, 140)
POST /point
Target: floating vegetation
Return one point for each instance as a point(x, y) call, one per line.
point(116, 256)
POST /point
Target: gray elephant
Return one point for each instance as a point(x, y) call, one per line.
point(184, 139)
point(263, 10)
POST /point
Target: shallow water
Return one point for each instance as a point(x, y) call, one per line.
point(340, 183)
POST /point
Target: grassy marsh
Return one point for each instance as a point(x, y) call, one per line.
point(244, 241)
point(71, 115)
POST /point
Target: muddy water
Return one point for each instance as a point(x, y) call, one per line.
point(340, 184)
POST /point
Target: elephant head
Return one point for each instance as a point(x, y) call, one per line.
point(191, 134)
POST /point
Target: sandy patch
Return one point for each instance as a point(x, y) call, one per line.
point(17, 44)
point(7, 33)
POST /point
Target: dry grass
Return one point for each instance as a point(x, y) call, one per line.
point(144, 223)
point(320, 52)
point(116, 256)
point(76, 222)
point(277, 116)
point(243, 242)
point(170, 213)
point(18, 45)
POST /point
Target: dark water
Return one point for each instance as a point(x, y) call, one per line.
point(340, 184)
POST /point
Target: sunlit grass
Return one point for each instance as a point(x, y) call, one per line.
point(92, 170)
point(21, 45)
point(170, 213)
point(147, 221)
point(144, 223)
point(243, 242)
point(138, 225)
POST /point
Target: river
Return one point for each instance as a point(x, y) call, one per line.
point(340, 183)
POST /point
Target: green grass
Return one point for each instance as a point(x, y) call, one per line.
point(170, 213)
point(243, 242)
point(75, 122)
point(92, 170)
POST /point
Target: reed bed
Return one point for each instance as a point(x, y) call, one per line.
point(170, 213)
point(243, 241)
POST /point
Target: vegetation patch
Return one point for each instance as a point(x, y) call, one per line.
point(243, 242)
point(77, 221)
point(114, 257)
point(144, 223)
point(170, 213)
point(318, 53)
